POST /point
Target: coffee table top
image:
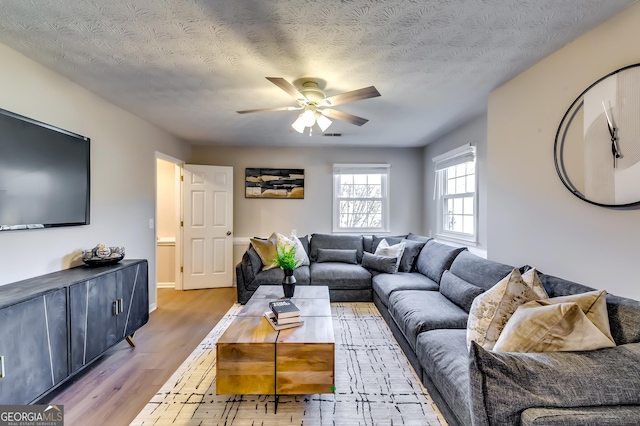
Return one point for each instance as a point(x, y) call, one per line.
point(315, 310)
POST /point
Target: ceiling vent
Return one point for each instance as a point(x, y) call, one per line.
point(334, 135)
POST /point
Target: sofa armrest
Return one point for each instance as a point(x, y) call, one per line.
point(504, 384)
point(581, 416)
point(246, 272)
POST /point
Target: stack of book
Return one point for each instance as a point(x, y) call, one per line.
point(283, 314)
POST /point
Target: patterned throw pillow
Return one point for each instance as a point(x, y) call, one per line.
point(301, 255)
point(396, 250)
point(266, 249)
point(578, 322)
point(491, 310)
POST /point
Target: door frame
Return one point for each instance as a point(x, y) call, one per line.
point(178, 205)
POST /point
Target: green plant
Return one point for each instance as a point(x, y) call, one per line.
point(286, 256)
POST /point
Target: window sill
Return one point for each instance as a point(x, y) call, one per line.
point(469, 242)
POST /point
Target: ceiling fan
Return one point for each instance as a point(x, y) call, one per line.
point(315, 104)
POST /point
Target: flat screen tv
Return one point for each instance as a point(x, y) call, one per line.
point(44, 175)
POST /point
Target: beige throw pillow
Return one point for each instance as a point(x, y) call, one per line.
point(531, 278)
point(491, 310)
point(300, 253)
point(266, 249)
point(559, 324)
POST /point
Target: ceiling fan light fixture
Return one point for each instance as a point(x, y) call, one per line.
point(308, 118)
point(298, 125)
point(323, 122)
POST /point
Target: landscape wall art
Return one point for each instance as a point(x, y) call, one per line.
point(274, 183)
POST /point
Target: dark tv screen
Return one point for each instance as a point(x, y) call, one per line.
point(44, 175)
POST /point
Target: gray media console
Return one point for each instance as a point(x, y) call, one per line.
point(55, 325)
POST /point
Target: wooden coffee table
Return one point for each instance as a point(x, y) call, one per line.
point(253, 358)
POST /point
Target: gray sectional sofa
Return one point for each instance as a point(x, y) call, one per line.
point(427, 309)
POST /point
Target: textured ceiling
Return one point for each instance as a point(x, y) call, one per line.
point(188, 65)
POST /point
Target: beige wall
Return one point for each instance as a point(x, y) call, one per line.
point(475, 133)
point(532, 218)
point(261, 217)
point(123, 163)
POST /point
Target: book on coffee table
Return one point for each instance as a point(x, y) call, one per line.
point(278, 325)
point(284, 309)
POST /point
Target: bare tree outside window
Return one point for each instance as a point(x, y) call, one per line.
point(360, 199)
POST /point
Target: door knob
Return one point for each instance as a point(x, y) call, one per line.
point(228, 233)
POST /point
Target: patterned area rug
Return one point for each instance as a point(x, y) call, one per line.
point(375, 385)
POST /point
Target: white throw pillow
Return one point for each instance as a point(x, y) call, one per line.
point(491, 310)
point(301, 255)
point(396, 250)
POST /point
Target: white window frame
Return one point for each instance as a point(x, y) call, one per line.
point(460, 155)
point(382, 169)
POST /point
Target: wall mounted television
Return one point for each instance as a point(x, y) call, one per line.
point(44, 175)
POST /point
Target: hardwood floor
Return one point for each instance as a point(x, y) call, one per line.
point(116, 387)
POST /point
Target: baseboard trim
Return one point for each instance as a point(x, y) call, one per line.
point(166, 285)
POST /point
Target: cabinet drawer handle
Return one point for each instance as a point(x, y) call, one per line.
point(2, 373)
point(115, 307)
point(120, 306)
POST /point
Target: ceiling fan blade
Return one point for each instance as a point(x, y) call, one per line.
point(269, 109)
point(344, 116)
point(287, 87)
point(354, 95)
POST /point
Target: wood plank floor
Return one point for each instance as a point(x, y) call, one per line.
point(116, 387)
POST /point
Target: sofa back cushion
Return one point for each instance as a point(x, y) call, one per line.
point(330, 241)
point(338, 255)
point(478, 271)
point(624, 313)
point(410, 255)
point(413, 237)
point(458, 290)
point(435, 258)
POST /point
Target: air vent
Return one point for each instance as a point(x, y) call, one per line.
point(335, 135)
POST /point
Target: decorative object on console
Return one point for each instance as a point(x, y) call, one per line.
point(102, 255)
point(274, 183)
point(597, 146)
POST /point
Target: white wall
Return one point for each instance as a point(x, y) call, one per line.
point(475, 133)
point(123, 164)
point(533, 218)
point(261, 217)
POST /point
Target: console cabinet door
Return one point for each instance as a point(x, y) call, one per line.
point(133, 291)
point(93, 309)
point(33, 344)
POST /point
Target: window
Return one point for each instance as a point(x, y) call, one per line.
point(456, 194)
point(360, 197)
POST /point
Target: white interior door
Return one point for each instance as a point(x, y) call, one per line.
point(208, 226)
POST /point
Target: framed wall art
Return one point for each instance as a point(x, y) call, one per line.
point(274, 183)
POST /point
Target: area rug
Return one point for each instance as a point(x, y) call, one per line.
point(375, 385)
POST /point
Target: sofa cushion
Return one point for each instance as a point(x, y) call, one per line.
point(275, 276)
point(417, 311)
point(266, 249)
point(305, 243)
point(391, 240)
point(385, 284)
point(503, 384)
point(367, 243)
point(478, 271)
point(435, 258)
point(624, 313)
point(458, 290)
point(330, 241)
point(410, 255)
point(581, 416)
point(444, 357)
point(384, 264)
point(254, 258)
point(396, 250)
point(300, 253)
point(491, 310)
point(540, 326)
point(338, 255)
point(341, 276)
point(413, 237)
